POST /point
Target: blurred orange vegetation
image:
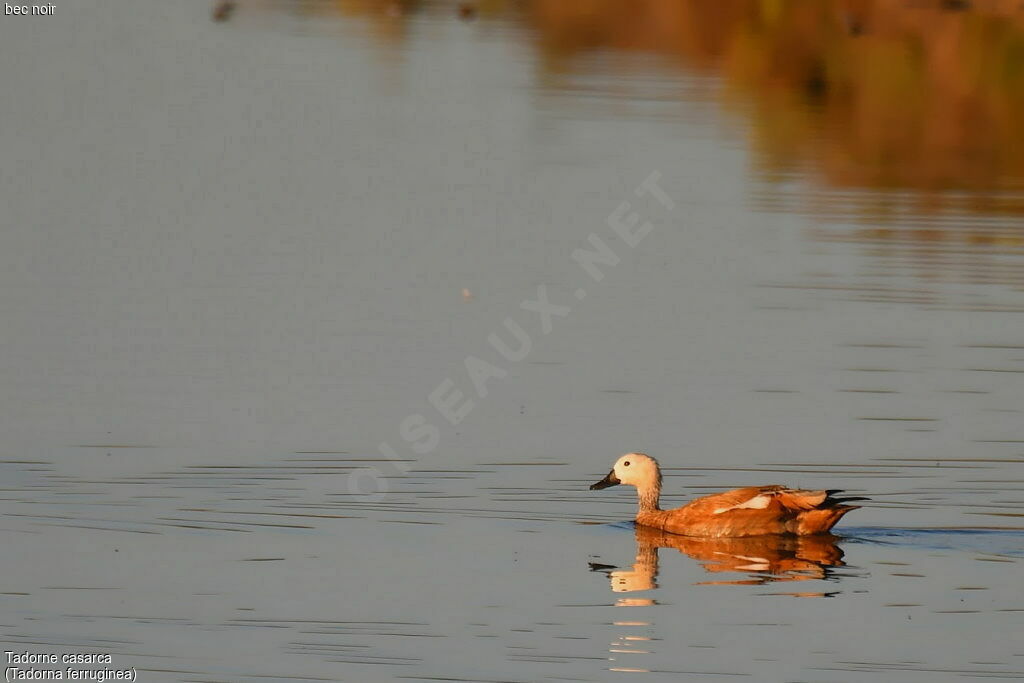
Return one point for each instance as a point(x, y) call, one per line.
point(875, 93)
point(918, 96)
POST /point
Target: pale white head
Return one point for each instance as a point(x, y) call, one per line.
point(636, 469)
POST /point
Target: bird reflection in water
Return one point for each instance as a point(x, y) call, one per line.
point(763, 559)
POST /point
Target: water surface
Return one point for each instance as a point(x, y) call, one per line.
point(238, 255)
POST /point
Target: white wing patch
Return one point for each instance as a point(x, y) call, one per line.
point(758, 502)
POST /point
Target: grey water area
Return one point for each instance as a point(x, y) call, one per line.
point(236, 258)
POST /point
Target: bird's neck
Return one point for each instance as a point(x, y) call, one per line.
point(649, 495)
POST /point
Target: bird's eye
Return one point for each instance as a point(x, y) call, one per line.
point(625, 464)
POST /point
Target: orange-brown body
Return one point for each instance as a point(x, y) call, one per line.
point(751, 511)
point(787, 511)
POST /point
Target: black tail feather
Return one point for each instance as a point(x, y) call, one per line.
point(841, 500)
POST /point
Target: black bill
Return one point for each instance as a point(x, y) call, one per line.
point(610, 480)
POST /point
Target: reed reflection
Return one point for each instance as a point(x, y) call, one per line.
point(872, 93)
point(894, 125)
point(761, 559)
point(857, 95)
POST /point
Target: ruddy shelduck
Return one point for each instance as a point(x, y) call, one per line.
point(750, 511)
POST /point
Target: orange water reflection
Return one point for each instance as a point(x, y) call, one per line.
point(925, 95)
point(876, 112)
point(922, 96)
point(761, 559)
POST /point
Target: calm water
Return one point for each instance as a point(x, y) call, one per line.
point(238, 258)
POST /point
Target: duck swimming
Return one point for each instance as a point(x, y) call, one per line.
point(751, 511)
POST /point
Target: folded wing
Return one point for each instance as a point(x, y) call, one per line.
point(758, 510)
